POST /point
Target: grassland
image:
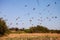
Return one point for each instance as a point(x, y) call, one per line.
point(32, 36)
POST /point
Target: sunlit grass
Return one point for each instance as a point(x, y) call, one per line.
point(33, 38)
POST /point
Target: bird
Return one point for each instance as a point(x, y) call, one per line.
point(38, 19)
point(37, 2)
point(30, 20)
point(52, 17)
point(34, 8)
point(48, 5)
point(10, 23)
point(25, 5)
point(22, 23)
point(55, 2)
point(17, 18)
point(6, 19)
point(55, 16)
point(28, 14)
point(32, 17)
point(40, 13)
point(4, 15)
point(47, 17)
point(0, 12)
point(32, 24)
point(16, 23)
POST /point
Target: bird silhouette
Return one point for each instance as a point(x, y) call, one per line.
point(48, 5)
point(25, 5)
point(34, 8)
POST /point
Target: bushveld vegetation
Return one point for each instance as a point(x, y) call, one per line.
point(3, 27)
point(35, 29)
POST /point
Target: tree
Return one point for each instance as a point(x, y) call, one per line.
point(16, 29)
point(3, 27)
point(39, 29)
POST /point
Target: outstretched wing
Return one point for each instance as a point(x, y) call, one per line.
point(37, 2)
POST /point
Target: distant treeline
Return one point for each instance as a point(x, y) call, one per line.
point(36, 29)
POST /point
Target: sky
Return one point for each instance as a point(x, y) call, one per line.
point(27, 13)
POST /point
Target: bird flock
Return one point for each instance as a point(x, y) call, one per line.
point(30, 20)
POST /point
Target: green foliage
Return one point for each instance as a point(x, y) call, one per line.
point(3, 27)
point(27, 30)
point(39, 29)
point(34, 29)
point(55, 31)
point(16, 29)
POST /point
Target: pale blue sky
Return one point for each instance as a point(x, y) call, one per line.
point(26, 10)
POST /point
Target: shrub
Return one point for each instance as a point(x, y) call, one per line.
point(39, 29)
point(3, 27)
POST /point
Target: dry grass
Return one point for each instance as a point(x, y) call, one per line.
point(32, 35)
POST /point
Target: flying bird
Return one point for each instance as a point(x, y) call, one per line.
point(32, 17)
point(22, 23)
point(40, 23)
point(10, 23)
point(16, 23)
point(37, 2)
point(0, 12)
point(41, 17)
point(32, 24)
point(38, 19)
point(33, 8)
point(40, 13)
point(52, 17)
point(6, 19)
point(17, 18)
point(48, 5)
point(28, 14)
point(4, 15)
point(55, 2)
point(55, 16)
point(25, 5)
point(30, 20)
point(1, 18)
point(47, 17)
